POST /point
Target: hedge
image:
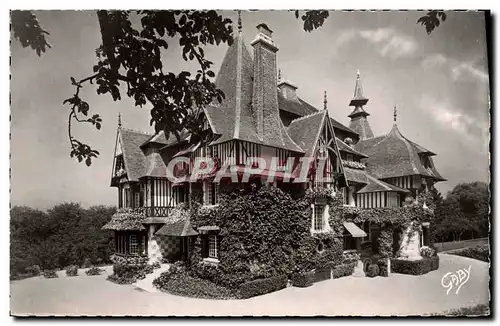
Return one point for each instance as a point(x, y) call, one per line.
point(180, 283)
point(343, 270)
point(382, 266)
point(72, 270)
point(263, 286)
point(94, 270)
point(303, 280)
point(50, 274)
point(415, 267)
point(373, 270)
point(481, 252)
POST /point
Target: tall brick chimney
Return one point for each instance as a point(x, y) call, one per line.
point(264, 98)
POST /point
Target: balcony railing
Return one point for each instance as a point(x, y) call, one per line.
point(153, 211)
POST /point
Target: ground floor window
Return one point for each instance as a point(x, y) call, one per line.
point(134, 248)
point(318, 221)
point(130, 243)
point(213, 250)
point(349, 242)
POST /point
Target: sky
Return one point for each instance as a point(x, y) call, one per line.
point(438, 82)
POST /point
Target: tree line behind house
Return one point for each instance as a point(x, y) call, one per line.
point(69, 234)
point(463, 214)
point(64, 235)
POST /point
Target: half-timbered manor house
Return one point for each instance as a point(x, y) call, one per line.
point(262, 116)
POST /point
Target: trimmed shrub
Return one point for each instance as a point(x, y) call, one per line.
point(303, 280)
point(87, 263)
point(180, 283)
point(72, 270)
point(343, 270)
point(50, 274)
point(94, 270)
point(373, 270)
point(382, 266)
point(415, 267)
point(350, 256)
point(120, 280)
point(263, 286)
point(427, 252)
point(481, 252)
point(148, 269)
point(33, 270)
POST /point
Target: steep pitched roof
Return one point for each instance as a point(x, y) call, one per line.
point(375, 185)
point(301, 108)
point(233, 119)
point(306, 130)
point(393, 155)
point(358, 98)
point(346, 148)
point(422, 150)
point(361, 125)
point(340, 126)
point(355, 175)
point(158, 138)
point(298, 107)
point(133, 157)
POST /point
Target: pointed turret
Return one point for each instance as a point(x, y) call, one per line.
point(359, 122)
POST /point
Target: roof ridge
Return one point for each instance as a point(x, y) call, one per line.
point(138, 131)
point(306, 116)
point(381, 183)
point(409, 147)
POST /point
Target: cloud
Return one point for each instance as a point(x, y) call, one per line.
point(465, 69)
point(459, 70)
point(391, 43)
point(434, 60)
point(455, 119)
point(387, 41)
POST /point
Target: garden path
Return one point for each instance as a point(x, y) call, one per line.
point(394, 295)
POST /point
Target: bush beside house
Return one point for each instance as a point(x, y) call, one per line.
point(480, 253)
point(415, 267)
point(72, 270)
point(262, 286)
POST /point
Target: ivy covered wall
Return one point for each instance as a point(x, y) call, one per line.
point(264, 232)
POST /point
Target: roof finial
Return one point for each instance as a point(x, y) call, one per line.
point(358, 73)
point(325, 102)
point(239, 21)
point(395, 114)
point(119, 120)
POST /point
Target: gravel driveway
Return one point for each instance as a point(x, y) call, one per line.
point(395, 295)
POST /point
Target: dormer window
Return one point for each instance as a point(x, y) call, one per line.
point(424, 159)
point(350, 157)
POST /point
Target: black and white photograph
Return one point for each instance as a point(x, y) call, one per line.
point(228, 163)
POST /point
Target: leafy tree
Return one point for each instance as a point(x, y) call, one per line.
point(64, 235)
point(473, 201)
point(134, 57)
point(464, 211)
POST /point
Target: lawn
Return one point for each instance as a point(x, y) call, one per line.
point(452, 245)
point(394, 295)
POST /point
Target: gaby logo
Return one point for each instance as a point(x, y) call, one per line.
point(457, 279)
